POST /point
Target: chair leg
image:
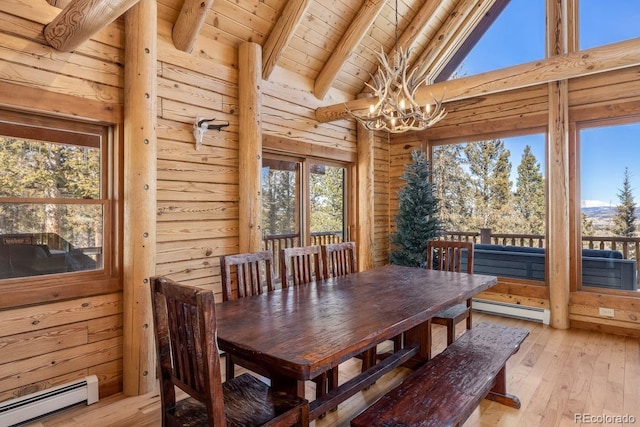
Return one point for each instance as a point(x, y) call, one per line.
point(229, 367)
point(451, 332)
point(397, 343)
point(368, 359)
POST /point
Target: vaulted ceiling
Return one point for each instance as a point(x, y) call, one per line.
point(334, 42)
point(330, 42)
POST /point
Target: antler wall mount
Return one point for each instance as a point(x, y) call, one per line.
point(202, 125)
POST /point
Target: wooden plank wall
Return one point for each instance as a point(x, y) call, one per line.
point(602, 96)
point(197, 190)
point(50, 344)
point(381, 222)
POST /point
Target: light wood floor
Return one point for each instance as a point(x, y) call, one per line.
point(556, 374)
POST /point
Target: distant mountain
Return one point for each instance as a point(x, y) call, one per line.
point(594, 204)
point(602, 216)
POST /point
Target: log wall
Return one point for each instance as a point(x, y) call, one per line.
point(50, 344)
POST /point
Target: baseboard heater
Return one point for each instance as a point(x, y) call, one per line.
point(21, 409)
point(512, 310)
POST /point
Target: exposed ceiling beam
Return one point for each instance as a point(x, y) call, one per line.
point(466, 15)
point(417, 27)
point(350, 39)
point(586, 62)
point(81, 19)
point(418, 24)
point(189, 22)
point(282, 34)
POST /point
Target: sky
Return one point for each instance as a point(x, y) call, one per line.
point(605, 151)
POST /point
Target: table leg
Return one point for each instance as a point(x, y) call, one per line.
point(420, 335)
point(288, 385)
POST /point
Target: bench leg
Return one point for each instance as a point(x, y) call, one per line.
point(499, 391)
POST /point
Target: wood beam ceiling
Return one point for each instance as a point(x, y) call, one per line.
point(349, 41)
point(282, 34)
point(592, 61)
point(189, 22)
point(462, 21)
point(81, 19)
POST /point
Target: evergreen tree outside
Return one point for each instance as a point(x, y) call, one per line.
point(417, 220)
point(529, 196)
point(490, 169)
point(452, 187)
point(327, 199)
point(43, 170)
point(279, 199)
point(624, 223)
point(587, 226)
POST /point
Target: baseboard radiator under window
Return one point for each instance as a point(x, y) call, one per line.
point(21, 409)
point(512, 310)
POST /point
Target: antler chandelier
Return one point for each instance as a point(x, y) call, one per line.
point(396, 109)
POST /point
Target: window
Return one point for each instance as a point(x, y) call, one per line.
point(515, 37)
point(304, 202)
point(609, 185)
point(55, 200)
point(493, 192)
point(605, 22)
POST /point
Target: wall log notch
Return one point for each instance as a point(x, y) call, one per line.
point(140, 147)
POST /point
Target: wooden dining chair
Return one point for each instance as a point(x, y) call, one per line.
point(448, 256)
point(185, 333)
point(301, 265)
point(245, 275)
point(339, 259)
point(304, 265)
point(253, 271)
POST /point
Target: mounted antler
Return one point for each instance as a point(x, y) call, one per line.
point(396, 109)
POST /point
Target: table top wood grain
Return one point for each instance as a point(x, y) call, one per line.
point(302, 331)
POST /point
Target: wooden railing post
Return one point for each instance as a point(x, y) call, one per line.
point(485, 236)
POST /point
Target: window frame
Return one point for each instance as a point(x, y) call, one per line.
point(58, 286)
point(576, 208)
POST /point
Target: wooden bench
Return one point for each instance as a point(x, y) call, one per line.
point(448, 388)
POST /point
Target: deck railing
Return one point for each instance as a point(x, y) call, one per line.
point(275, 242)
point(628, 246)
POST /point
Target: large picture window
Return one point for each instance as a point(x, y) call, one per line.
point(610, 227)
point(55, 198)
point(492, 192)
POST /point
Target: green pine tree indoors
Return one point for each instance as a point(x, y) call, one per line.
point(417, 220)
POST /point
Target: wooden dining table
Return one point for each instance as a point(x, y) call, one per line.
point(298, 333)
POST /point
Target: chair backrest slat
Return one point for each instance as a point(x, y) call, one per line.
point(448, 256)
point(339, 259)
point(302, 264)
point(253, 271)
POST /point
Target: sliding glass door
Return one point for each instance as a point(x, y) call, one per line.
point(304, 202)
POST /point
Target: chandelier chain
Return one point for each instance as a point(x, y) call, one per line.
point(396, 109)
